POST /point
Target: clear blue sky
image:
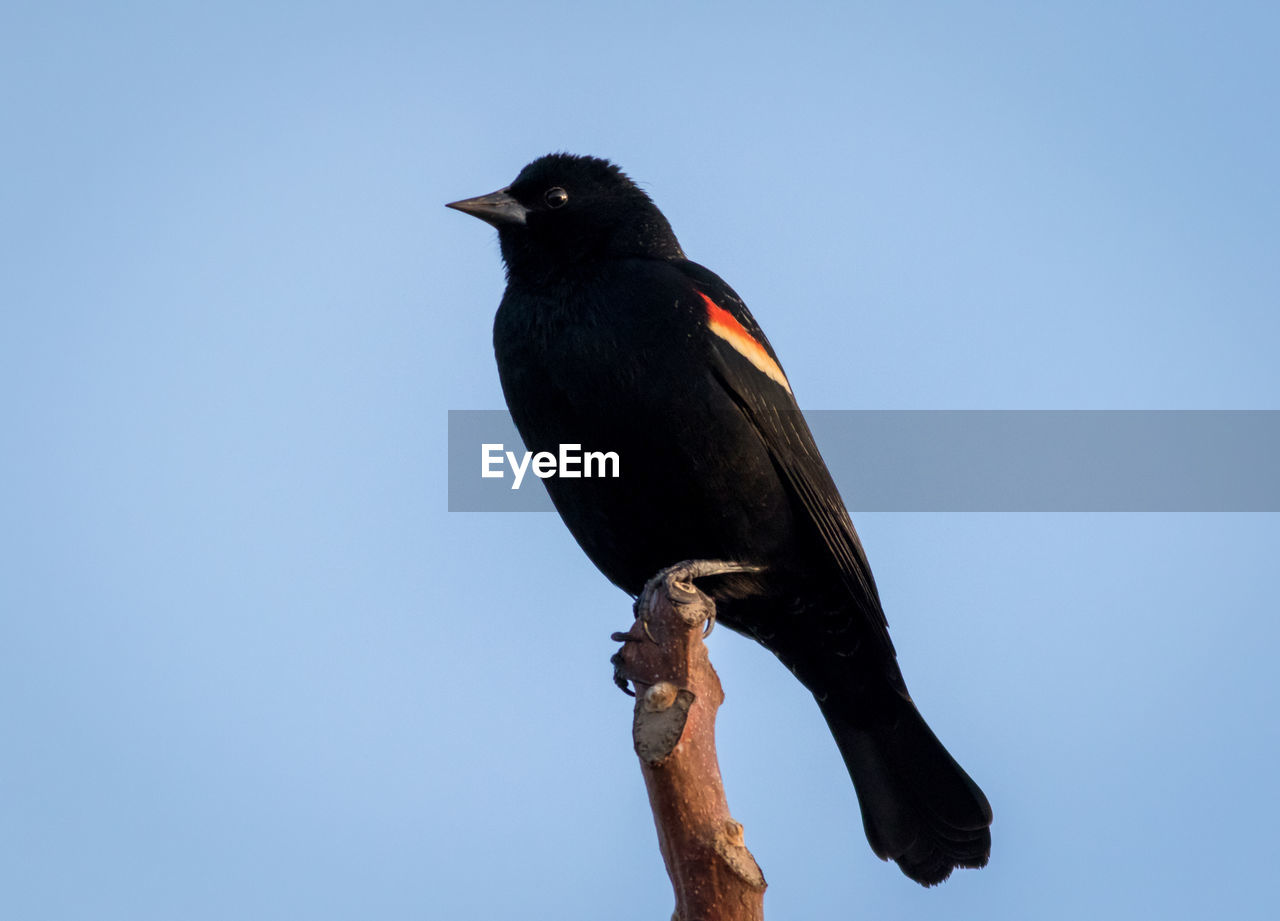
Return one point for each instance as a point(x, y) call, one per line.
point(251, 668)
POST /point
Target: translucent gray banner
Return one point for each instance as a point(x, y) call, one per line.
point(966, 461)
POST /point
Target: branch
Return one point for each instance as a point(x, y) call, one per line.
point(677, 694)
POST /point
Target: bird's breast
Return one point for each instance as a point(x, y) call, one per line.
point(624, 371)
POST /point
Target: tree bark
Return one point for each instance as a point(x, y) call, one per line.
point(677, 692)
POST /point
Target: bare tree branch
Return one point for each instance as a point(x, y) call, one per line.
point(677, 694)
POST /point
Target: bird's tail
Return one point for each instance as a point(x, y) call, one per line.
point(919, 807)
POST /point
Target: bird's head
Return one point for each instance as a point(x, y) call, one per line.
point(564, 212)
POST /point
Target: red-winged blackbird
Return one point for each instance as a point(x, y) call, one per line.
point(609, 338)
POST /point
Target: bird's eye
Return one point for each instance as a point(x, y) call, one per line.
point(556, 197)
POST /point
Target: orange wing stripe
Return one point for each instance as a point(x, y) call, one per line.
point(726, 326)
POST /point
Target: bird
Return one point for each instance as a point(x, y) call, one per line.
point(609, 338)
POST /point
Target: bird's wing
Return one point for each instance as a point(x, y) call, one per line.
point(746, 366)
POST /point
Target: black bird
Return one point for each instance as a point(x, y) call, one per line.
point(609, 338)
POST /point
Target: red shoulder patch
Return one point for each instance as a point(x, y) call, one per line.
point(726, 326)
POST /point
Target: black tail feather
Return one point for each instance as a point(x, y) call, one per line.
point(919, 807)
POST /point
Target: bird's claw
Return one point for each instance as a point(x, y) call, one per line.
point(618, 677)
point(644, 625)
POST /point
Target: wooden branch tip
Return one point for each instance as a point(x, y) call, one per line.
point(714, 876)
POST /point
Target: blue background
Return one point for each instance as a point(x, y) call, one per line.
point(251, 668)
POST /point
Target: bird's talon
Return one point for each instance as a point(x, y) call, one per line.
point(618, 677)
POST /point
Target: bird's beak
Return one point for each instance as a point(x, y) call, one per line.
point(496, 208)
